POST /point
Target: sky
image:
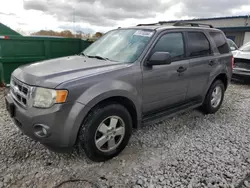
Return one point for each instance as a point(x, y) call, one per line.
point(90, 16)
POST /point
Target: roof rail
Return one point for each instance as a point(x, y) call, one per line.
point(150, 24)
point(181, 23)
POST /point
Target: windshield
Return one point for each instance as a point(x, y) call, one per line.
point(245, 48)
point(120, 45)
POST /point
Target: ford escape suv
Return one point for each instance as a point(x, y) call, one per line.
point(127, 78)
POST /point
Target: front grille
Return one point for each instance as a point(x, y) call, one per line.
point(20, 91)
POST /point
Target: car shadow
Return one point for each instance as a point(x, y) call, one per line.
point(240, 82)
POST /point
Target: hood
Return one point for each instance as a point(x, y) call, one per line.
point(241, 54)
point(53, 72)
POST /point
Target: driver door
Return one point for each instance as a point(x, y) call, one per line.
point(166, 85)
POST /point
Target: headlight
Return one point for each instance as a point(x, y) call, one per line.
point(45, 98)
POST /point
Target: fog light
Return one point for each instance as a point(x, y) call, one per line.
point(41, 130)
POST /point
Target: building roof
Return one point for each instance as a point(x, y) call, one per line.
point(243, 28)
point(5, 30)
point(214, 18)
point(241, 25)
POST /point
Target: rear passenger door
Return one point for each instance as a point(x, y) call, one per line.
point(201, 63)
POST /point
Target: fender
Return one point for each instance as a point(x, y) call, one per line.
point(222, 69)
point(110, 88)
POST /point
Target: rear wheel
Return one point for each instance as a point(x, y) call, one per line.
point(214, 97)
point(105, 132)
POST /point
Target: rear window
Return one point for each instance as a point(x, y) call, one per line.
point(220, 42)
point(198, 45)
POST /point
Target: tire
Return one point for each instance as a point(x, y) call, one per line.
point(88, 135)
point(208, 107)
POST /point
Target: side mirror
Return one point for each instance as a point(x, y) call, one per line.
point(159, 58)
point(232, 48)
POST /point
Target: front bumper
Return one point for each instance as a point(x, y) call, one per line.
point(61, 120)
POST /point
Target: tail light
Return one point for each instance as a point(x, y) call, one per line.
point(232, 62)
point(4, 37)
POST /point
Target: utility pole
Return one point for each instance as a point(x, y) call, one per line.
point(74, 20)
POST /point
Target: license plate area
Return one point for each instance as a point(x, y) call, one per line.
point(10, 107)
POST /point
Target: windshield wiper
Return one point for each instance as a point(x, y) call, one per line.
point(83, 54)
point(98, 57)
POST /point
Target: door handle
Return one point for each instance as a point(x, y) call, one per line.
point(181, 69)
point(211, 62)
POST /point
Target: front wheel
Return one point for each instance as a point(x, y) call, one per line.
point(105, 132)
point(214, 97)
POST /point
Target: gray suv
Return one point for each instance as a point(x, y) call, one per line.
point(127, 78)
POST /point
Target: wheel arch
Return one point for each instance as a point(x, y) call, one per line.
point(127, 102)
point(124, 101)
point(223, 77)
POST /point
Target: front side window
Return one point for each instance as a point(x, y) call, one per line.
point(198, 44)
point(172, 43)
point(220, 42)
point(123, 46)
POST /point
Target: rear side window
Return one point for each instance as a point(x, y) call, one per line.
point(198, 44)
point(172, 43)
point(220, 42)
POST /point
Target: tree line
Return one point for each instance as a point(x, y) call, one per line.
point(68, 34)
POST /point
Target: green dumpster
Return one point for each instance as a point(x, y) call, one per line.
point(5, 30)
point(17, 50)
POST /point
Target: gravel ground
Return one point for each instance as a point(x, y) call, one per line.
point(189, 150)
